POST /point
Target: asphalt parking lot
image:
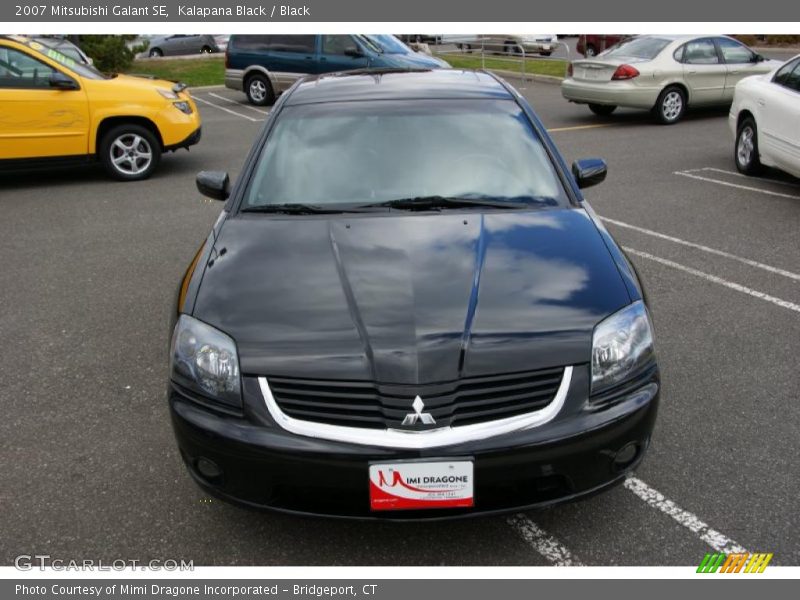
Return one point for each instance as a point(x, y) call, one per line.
point(90, 267)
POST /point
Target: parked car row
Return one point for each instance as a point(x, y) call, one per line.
point(668, 74)
point(264, 66)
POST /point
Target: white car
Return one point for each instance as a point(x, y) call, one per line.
point(765, 120)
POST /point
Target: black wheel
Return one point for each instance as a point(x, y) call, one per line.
point(548, 53)
point(671, 105)
point(469, 48)
point(746, 150)
point(602, 110)
point(129, 152)
point(156, 52)
point(259, 90)
point(205, 50)
point(590, 51)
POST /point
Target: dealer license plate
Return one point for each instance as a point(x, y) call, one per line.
point(416, 485)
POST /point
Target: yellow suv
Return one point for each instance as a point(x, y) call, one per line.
point(55, 110)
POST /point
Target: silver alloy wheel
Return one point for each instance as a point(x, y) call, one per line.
point(590, 52)
point(131, 154)
point(744, 147)
point(672, 105)
point(258, 91)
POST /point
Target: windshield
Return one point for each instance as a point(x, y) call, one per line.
point(388, 44)
point(373, 152)
point(84, 70)
point(646, 47)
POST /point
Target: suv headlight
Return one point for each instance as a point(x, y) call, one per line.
point(621, 346)
point(205, 360)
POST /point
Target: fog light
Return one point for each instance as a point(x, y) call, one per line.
point(208, 468)
point(626, 455)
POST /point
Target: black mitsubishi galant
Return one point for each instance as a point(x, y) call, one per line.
point(407, 310)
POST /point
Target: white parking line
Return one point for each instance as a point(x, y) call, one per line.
point(743, 176)
point(654, 498)
point(228, 100)
point(719, 280)
point(227, 110)
point(741, 259)
point(693, 175)
point(544, 543)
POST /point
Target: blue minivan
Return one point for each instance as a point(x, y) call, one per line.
point(263, 66)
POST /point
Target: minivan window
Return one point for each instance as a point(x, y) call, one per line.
point(337, 44)
point(646, 48)
point(369, 151)
point(302, 44)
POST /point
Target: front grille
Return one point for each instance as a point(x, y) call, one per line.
point(384, 406)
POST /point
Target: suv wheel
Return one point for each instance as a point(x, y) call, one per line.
point(259, 90)
point(156, 52)
point(671, 105)
point(746, 149)
point(590, 51)
point(130, 152)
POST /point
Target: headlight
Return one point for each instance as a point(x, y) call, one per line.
point(205, 359)
point(621, 346)
point(168, 94)
point(184, 107)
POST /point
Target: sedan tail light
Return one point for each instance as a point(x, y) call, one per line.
point(569, 70)
point(625, 72)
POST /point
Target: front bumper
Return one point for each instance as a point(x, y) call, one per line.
point(612, 93)
point(265, 466)
point(190, 140)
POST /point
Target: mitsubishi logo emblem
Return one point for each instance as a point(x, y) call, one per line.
point(418, 415)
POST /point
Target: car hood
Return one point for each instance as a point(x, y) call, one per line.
point(138, 83)
point(410, 299)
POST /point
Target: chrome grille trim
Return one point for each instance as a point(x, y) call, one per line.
point(396, 438)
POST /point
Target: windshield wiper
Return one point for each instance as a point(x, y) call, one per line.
point(439, 202)
point(303, 209)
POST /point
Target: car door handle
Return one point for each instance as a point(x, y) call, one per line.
point(734, 72)
point(762, 102)
point(692, 72)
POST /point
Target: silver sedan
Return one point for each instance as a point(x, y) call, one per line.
point(663, 73)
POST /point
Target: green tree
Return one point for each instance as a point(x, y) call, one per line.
point(111, 53)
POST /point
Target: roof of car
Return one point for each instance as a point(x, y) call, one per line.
point(398, 84)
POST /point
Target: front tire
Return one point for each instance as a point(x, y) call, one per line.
point(671, 105)
point(746, 149)
point(259, 90)
point(590, 52)
point(129, 152)
point(205, 50)
point(602, 110)
point(156, 53)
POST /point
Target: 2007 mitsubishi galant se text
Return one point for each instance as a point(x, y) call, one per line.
point(407, 310)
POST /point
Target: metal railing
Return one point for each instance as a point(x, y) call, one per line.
point(505, 48)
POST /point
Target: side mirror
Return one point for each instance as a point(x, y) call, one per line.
point(757, 58)
point(589, 171)
point(353, 51)
point(60, 81)
point(214, 184)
